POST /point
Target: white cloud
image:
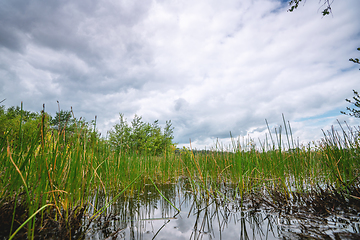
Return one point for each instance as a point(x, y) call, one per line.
point(211, 67)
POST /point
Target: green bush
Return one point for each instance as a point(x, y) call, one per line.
point(141, 137)
point(18, 126)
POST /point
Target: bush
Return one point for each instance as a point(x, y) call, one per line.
point(141, 137)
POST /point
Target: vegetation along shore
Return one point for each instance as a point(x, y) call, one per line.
point(52, 166)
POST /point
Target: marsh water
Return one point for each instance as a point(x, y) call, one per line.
point(148, 215)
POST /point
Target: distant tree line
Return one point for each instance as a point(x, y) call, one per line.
point(19, 127)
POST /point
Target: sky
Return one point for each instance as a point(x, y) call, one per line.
point(211, 67)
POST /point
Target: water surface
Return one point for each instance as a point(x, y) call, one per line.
point(148, 215)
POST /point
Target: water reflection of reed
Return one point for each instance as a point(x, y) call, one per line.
point(217, 218)
point(211, 218)
point(147, 215)
point(133, 215)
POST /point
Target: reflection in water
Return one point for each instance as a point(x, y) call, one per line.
point(149, 216)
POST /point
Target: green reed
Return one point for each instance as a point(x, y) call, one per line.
point(64, 170)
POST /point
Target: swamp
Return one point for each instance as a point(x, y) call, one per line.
point(64, 181)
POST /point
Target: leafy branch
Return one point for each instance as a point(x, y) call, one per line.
point(294, 4)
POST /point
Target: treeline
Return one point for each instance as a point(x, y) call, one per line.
point(17, 124)
point(18, 127)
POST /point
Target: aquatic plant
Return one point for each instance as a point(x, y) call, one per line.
point(50, 174)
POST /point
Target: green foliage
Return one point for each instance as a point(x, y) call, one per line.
point(18, 125)
point(356, 99)
point(39, 159)
point(63, 120)
point(294, 4)
point(65, 124)
point(356, 60)
point(64, 173)
point(141, 137)
point(356, 102)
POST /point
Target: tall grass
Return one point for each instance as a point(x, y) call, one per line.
point(64, 171)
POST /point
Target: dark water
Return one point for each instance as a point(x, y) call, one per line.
point(148, 215)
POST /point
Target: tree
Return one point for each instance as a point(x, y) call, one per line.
point(356, 99)
point(62, 120)
point(18, 126)
point(65, 124)
point(356, 60)
point(119, 136)
point(141, 137)
point(294, 4)
point(352, 111)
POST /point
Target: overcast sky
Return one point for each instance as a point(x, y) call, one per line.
point(210, 67)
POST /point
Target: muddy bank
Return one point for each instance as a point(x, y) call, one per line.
point(49, 224)
point(318, 214)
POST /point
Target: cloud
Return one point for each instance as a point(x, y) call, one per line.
point(210, 67)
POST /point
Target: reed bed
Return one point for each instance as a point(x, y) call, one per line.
point(50, 176)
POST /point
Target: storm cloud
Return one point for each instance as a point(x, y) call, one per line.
point(211, 67)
